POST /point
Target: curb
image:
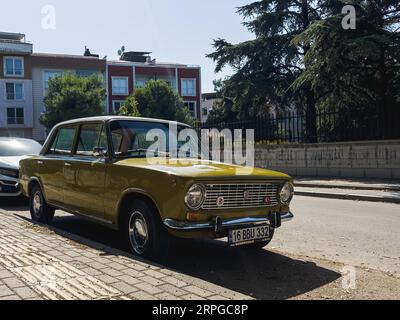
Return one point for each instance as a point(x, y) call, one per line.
point(350, 187)
point(357, 197)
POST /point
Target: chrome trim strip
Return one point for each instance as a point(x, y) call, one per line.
point(287, 216)
point(210, 226)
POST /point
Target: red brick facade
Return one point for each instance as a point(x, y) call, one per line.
point(170, 72)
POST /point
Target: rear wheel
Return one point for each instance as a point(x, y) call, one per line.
point(144, 233)
point(40, 210)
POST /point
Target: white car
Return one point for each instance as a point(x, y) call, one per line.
point(12, 150)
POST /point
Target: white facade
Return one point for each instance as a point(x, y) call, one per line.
point(38, 132)
point(7, 125)
point(16, 114)
point(40, 78)
point(207, 105)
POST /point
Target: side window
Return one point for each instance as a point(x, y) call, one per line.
point(91, 136)
point(62, 144)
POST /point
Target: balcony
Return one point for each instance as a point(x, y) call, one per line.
point(15, 47)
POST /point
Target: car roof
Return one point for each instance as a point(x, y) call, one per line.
point(110, 118)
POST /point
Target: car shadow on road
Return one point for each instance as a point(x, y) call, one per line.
point(17, 204)
point(262, 274)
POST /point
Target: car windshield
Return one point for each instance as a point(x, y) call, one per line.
point(17, 147)
point(135, 138)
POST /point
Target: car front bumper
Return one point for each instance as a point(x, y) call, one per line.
point(9, 187)
point(219, 226)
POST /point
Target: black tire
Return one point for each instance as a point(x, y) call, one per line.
point(40, 210)
point(157, 242)
point(261, 245)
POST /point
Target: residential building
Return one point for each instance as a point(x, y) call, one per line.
point(135, 69)
point(47, 66)
point(208, 104)
point(16, 117)
point(24, 79)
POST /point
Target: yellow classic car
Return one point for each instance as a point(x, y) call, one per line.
point(98, 168)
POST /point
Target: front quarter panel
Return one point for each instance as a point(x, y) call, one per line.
point(28, 170)
point(164, 189)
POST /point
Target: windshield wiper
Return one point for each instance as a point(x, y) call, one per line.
point(122, 154)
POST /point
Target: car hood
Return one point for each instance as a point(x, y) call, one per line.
point(10, 162)
point(201, 168)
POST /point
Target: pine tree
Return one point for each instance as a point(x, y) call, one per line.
point(265, 67)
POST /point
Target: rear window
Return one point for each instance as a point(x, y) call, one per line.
point(63, 142)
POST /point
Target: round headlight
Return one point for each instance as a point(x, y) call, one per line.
point(195, 197)
point(287, 193)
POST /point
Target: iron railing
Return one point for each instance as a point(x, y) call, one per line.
point(325, 126)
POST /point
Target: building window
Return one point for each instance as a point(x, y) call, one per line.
point(140, 83)
point(205, 111)
point(192, 108)
point(86, 73)
point(188, 87)
point(120, 86)
point(117, 104)
point(14, 66)
point(14, 91)
point(172, 84)
point(15, 116)
point(50, 75)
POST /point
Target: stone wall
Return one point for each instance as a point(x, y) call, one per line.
point(368, 159)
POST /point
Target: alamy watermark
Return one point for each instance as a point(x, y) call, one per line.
point(49, 277)
point(186, 146)
point(349, 278)
point(49, 17)
point(349, 21)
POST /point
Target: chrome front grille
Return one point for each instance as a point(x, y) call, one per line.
point(235, 196)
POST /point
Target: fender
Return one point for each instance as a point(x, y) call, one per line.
point(139, 191)
point(36, 179)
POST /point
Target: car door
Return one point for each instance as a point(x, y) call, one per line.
point(51, 166)
point(85, 173)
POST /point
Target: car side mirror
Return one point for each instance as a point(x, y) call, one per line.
point(99, 152)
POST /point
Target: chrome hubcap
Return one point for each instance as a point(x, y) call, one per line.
point(37, 203)
point(138, 232)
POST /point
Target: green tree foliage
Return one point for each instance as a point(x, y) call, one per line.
point(129, 108)
point(354, 69)
point(70, 97)
point(301, 57)
point(158, 100)
point(265, 67)
point(223, 110)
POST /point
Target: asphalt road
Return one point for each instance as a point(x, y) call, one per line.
point(352, 232)
point(304, 259)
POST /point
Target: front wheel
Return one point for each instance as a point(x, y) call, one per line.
point(143, 231)
point(40, 210)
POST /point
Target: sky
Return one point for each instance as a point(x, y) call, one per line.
point(173, 30)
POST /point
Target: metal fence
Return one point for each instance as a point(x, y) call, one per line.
point(327, 126)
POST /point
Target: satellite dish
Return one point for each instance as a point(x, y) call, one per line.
point(123, 48)
point(119, 52)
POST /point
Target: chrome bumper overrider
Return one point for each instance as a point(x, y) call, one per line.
point(219, 225)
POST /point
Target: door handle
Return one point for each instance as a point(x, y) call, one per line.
point(67, 164)
point(40, 162)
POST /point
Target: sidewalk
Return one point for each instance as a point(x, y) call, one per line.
point(351, 189)
point(36, 263)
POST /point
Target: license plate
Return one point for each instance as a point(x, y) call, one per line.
point(241, 237)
